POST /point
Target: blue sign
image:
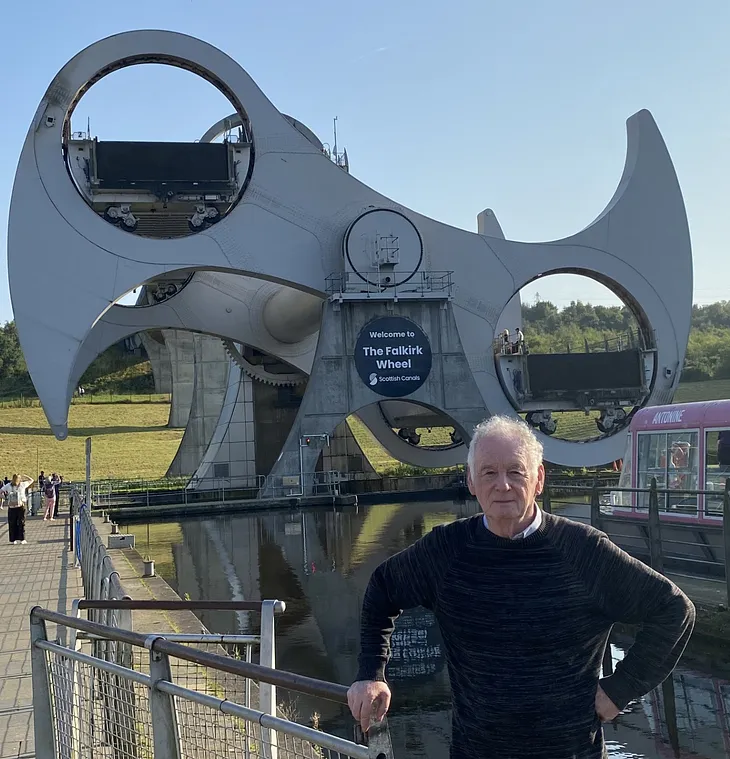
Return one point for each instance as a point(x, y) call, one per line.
point(393, 356)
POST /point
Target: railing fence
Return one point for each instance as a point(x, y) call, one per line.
point(112, 692)
point(86, 706)
point(656, 540)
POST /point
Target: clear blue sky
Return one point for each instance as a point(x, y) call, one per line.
point(446, 107)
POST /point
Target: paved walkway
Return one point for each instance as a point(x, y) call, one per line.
point(40, 573)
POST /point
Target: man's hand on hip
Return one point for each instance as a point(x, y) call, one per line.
point(368, 700)
point(605, 708)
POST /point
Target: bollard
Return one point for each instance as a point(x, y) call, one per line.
point(655, 530)
point(670, 713)
point(596, 520)
point(547, 506)
point(726, 537)
point(115, 528)
point(607, 664)
point(149, 568)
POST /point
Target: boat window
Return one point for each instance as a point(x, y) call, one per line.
point(682, 471)
point(651, 463)
point(621, 499)
point(717, 467)
point(671, 457)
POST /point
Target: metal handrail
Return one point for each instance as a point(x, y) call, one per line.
point(299, 683)
point(135, 605)
point(377, 282)
point(162, 685)
point(660, 491)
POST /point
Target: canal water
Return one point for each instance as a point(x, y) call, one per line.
point(319, 562)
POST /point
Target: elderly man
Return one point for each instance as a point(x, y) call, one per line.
point(525, 602)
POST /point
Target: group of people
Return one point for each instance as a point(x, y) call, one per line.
point(15, 494)
point(509, 346)
point(50, 489)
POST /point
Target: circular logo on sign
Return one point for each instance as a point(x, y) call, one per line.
point(393, 356)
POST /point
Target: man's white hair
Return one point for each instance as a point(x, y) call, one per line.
point(513, 429)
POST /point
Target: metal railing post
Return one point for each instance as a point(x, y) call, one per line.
point(670, 713)
point(607, 662)
point(655, 530)
point(547, 506)
point(726, 535)
point(165, 730)
point(267, 658)
point(378, 738)
point(42, 710)
point(596, 520)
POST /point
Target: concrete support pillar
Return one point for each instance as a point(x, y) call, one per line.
point(335, 390)
point(230, 460)
point(159, 356)
point(344, 453)
point(211, 367)
point(181, 346)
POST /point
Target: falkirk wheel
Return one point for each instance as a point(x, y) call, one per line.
point(319, 284)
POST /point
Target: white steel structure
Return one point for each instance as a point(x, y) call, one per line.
point(254, 260)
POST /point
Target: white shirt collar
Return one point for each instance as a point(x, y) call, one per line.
point(534, 526)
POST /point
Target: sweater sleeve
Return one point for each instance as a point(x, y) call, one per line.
point(628, 591)
point(410, 578)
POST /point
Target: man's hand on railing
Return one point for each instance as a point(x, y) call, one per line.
point(368, 700)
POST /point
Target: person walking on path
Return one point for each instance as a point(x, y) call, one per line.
point(50, 495)
point(57, 482)
point(525, 602)
point(519, 341)
point(16, 497)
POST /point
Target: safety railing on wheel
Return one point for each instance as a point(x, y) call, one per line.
point(88, 706)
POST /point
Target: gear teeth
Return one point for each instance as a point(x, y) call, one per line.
point(259, 373)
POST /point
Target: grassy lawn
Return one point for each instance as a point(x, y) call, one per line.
point(572, 425)
point(130, 440)
point(380, 460)
point(88, 399)
point(575, 425)
point(711, 390)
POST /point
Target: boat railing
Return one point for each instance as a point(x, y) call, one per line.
point(662, 507)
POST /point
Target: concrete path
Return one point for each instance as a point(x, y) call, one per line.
point(39, 573)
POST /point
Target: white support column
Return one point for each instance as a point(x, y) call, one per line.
point(165, 731)
point(42, 710)
point(267, 658)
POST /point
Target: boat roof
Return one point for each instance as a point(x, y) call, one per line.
point(680, 416)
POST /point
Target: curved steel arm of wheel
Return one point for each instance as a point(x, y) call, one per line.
point(283, 232)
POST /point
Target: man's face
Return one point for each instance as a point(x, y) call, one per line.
point(502, 479)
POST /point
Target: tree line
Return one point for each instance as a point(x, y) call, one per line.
point(547, 328)
point(116, 370)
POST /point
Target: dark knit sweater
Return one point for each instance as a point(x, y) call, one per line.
point(525, 624)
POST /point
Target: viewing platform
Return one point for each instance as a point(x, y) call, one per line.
point(39, 573)
point(87, 671)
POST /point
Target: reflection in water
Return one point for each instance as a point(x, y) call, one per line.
point(319, 562)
